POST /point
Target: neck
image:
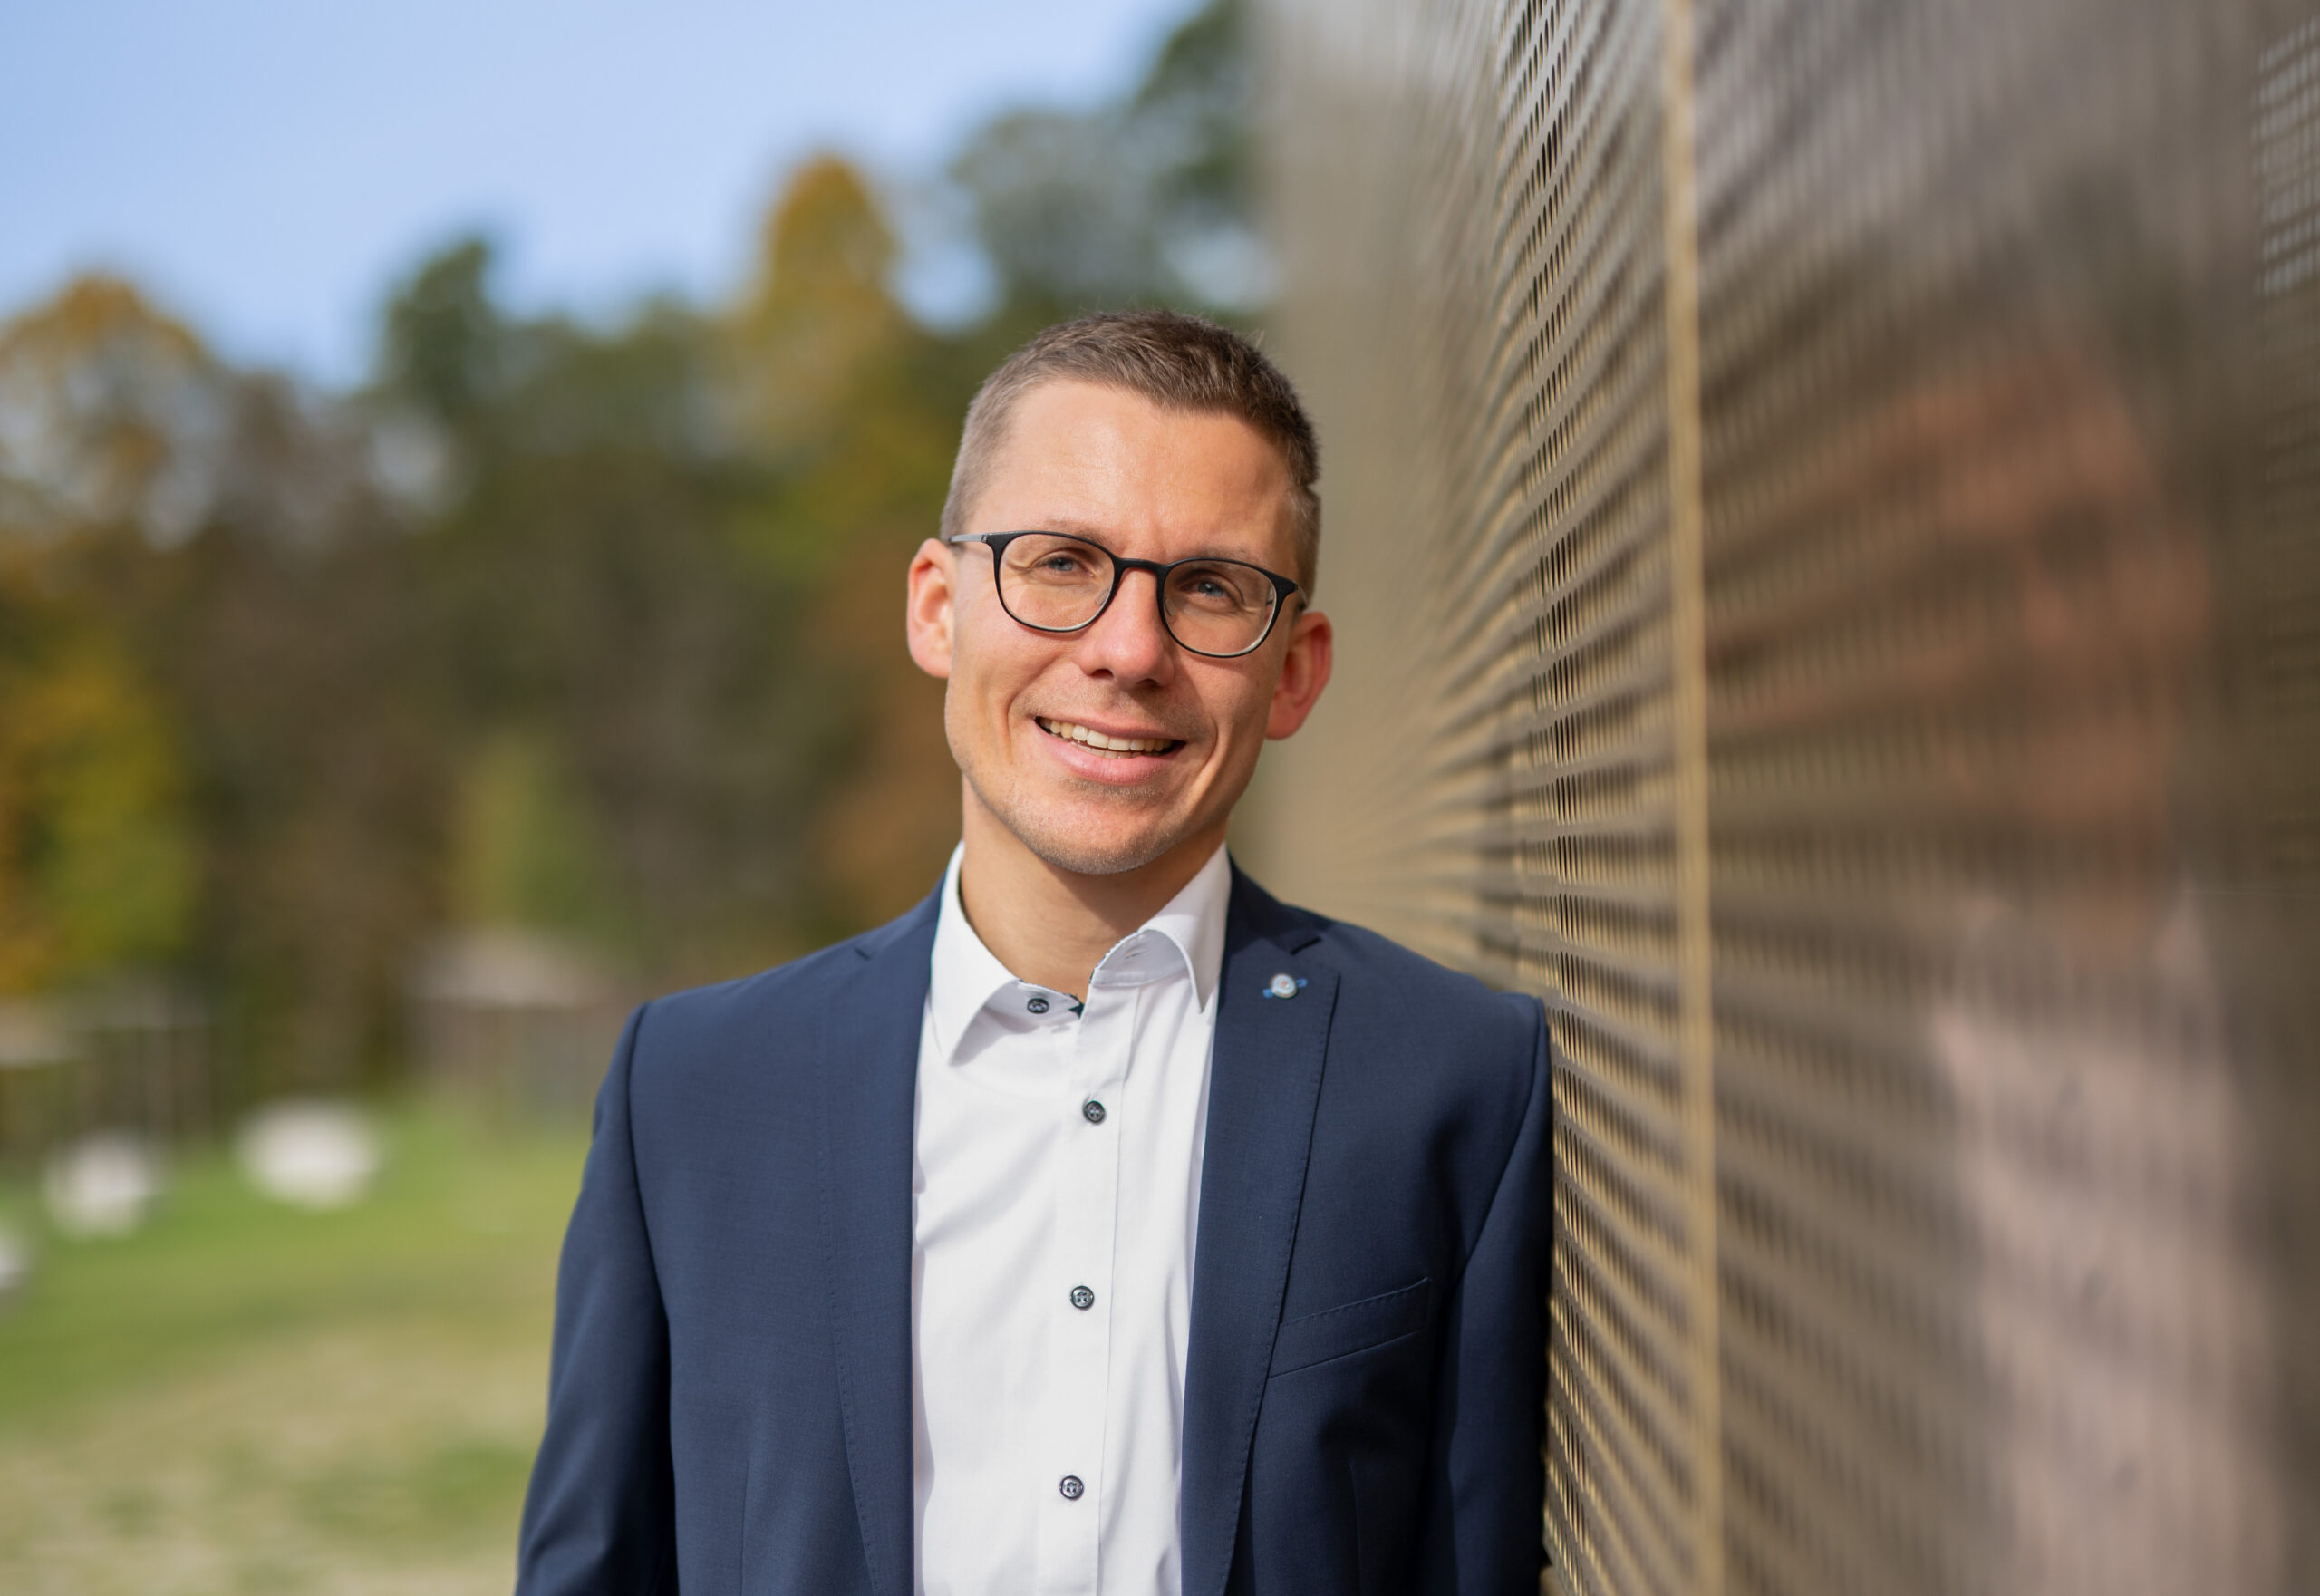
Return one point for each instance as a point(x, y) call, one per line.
point(1051, 927)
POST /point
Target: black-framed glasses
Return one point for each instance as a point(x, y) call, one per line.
point(1055, 582)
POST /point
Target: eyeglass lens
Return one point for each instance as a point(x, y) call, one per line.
point(1059, 584)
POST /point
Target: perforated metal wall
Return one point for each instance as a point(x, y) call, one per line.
point(1823, 514)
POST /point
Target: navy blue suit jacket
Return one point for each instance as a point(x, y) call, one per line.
point(730, 1407)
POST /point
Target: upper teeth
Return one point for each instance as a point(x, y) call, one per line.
point(1126, 745)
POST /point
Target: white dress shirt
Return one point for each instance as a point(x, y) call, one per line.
point(1055, 1189)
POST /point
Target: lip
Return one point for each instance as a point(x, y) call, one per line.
point(1109, 770)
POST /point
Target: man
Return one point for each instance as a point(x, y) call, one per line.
point(1102, 1225)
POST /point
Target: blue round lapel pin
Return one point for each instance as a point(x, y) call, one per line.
point(1284, 985)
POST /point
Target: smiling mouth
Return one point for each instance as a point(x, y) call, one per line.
point(1114, 747)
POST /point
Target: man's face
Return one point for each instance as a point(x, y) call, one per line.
point(1147, 484)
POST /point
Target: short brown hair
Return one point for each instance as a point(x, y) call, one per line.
point(1178, 363)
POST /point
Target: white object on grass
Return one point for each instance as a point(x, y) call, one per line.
point(311, 1155)
point(102, 1186)
point(15, 1263)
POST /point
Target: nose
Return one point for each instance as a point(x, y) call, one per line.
point(1127, 643)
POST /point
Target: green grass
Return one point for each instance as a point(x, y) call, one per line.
point(244, 1396)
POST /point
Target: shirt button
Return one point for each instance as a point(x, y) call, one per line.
point(1071, 1487)
point(1094, 1110)
point(1082, 1298)
point(1037, 1005)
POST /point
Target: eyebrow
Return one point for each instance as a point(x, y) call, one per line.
point(1087, 529)
point(1095, 534)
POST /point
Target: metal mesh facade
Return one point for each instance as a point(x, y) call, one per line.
point(1822, 518)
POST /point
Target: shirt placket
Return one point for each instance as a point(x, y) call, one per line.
point(1086, 1197)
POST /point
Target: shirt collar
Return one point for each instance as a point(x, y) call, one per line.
point(1194, 920)
point(966, 975)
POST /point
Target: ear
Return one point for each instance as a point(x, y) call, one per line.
point(932, 605)
point(1304, 672)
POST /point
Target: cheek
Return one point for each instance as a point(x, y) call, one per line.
point(958, 722)
point(1239, 709)
point(988, 677)
point(973, 710)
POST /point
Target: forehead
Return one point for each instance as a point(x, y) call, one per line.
point(1111, 460)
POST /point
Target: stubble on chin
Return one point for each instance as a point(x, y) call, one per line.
point(1061, 846)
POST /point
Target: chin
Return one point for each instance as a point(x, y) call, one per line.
point(1088, 841)
point(1091, 852)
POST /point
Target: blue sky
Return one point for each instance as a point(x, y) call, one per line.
point(267, 167)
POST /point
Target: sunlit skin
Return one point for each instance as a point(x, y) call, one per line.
point(1069, 849)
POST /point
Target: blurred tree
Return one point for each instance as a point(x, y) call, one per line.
point(96, 849)
point(297, 672)
point(526, 851)
point(592, 601)
point(1191, 116)
point(818, 321)
point(856, 407)
point(110, 413)
point(445, 348)
point(1148, 201)
point(222, 712)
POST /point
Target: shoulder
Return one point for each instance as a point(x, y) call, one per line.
point(1381, 967)
point(1384, 971)
point(1430, 1078)
point(1393, 997)
point(748, 1000)
point(771, 1012)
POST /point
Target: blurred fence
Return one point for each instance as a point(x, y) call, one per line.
point(514, 1024)
point(137, 1054)
point(1824, 520)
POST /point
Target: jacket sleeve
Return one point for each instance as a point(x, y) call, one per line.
point(601, 1516)
point(1488, 1520)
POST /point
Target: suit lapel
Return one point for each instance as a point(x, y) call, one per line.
point(868, 1078)
point(1264, 1080)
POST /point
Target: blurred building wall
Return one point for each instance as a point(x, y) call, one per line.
point(1823, 514)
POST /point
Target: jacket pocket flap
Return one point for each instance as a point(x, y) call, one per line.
point(1356, 1326)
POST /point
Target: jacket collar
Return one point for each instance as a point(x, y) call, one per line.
point(866, 1092)
point(1264, 1082)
